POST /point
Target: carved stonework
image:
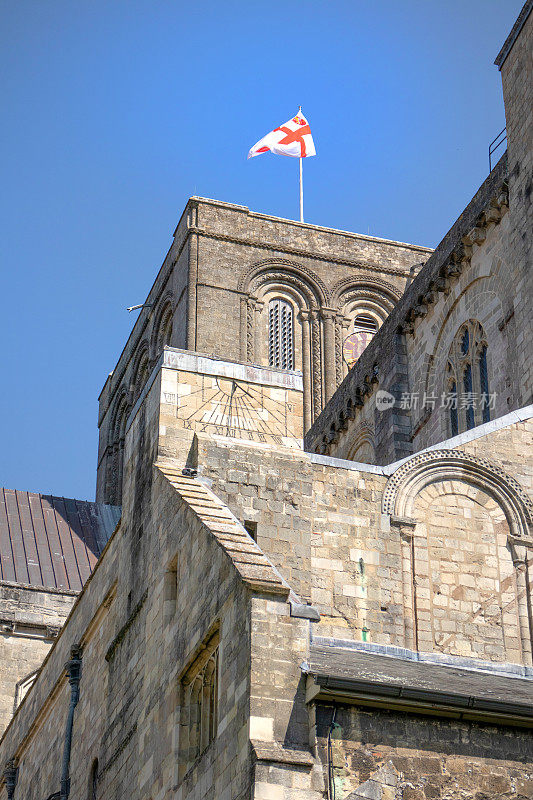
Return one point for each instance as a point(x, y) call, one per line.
point(250, 329)
point(338, 349)
point(408, 480)
point(317, 367)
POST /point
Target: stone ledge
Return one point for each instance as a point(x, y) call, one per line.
point(273, 751)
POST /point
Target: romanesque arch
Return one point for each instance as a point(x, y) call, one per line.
point(356, 299)
point(162, 327)
point(478, 299)
point(115, 449)
point(299, 287)
point(141, 369)
point(362, 448)
point(465, 530)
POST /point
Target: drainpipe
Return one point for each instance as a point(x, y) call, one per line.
point(10, 777)
point(73, 669)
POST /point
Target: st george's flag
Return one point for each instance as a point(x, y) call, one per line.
point(291, 139)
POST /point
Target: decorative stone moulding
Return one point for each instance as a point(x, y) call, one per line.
point(451, 269)
point(458, 259)
point(365, 389)
point(440, 465)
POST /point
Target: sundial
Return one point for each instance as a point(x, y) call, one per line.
point(239, 409)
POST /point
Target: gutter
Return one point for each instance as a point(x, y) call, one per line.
point(418, 700)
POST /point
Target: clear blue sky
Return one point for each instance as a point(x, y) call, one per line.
point(115, 112)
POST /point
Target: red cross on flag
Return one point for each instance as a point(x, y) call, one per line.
point(291, 139)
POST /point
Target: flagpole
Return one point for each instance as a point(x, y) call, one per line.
point(301, 192)
point(301, 183)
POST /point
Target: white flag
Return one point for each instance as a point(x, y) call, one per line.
point(291, 139)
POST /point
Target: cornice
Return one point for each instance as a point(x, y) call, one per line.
point(296, 251)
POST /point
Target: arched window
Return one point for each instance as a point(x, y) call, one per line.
point(164, 330)
point(364, 328)
point(454, 417)
point(365, 322)
point(200, 704)
point(484, 382)
point(467, 381)
point(280, 334)
point(141, 376)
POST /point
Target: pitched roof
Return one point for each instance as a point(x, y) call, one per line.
point(52, 542)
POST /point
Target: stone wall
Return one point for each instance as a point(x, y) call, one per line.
point(224, 266)
point(395, 400)
point(384, 755)
point(367, 546)
point(516, 68)
point(30, 620)
point(352, 541)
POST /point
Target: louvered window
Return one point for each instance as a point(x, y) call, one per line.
point(280, 335)
point(364, 322)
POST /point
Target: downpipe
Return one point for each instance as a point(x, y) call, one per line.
point(73, 669)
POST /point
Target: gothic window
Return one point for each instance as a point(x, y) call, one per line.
point(280, 334)
point(200, 703)
point(467, 379)
point(454, 418)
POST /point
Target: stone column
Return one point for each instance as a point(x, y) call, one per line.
point(250, 330)
point(259, 332)
point(316, 365)
point(519, 555)
point(330, 379)
point(406, 529)
point(305, 316)
point(244, 320)
point(339, 338)
point(346, 322)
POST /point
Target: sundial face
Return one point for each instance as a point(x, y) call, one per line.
point(238, 409)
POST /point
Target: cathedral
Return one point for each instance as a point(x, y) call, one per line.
point(307, 573)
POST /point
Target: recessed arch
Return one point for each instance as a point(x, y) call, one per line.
point(362, 448)
point(435, 359)
point(440, 465)
point(141, 369)
point(383, 291)
point(289, 272)
point(162, 328)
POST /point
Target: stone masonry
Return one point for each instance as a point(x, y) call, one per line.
point(348, 621)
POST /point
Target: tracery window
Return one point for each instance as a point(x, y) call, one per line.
point(467, 382)
point(280, 334)
point(200, 703)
